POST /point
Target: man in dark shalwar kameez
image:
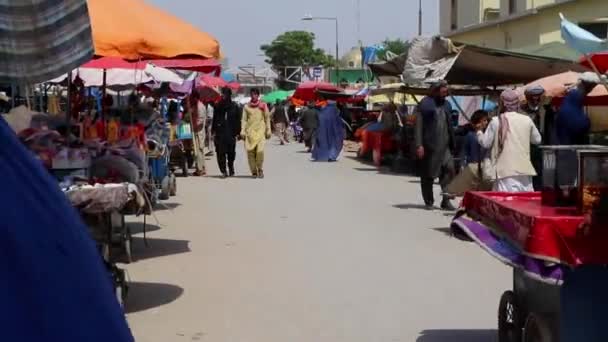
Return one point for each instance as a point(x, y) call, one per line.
point(310, 123)
point(542, 115)
point(435, 143)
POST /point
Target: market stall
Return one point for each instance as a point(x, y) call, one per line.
point(472, 72)
point(546, 237)
point(109, 154)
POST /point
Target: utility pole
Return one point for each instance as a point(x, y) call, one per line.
point(420, 17)
point(359, 23)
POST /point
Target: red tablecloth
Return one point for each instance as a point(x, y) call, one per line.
point(379, 142)
point(548, 233)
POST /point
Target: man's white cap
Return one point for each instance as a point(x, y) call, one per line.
point(589, 77)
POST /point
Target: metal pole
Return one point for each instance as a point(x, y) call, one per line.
point(68, 115)
point(359, 22)
point(337, 54)
point(420, 17)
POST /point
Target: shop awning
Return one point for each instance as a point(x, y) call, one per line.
point(393, 67)
point(42, 39)
point(134, 29)
point(437, 58)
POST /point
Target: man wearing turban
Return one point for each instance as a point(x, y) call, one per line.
point(542, 116)
point(508, 137)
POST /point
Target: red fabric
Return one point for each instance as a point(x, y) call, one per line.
point(600, 60)
point(378, 142)
point(307, 91)
point(113, 63)
point(548, 233)
point(210, 81)
point(234, 86)
point(207, 66)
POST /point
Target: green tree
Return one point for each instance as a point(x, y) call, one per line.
point(295, 48)
point(291, 50)
point(396, 46)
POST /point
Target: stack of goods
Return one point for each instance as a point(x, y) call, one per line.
point(560, 175)
point(594, 187)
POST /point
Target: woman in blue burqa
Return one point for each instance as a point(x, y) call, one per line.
point(54, 285)
point(330, 134)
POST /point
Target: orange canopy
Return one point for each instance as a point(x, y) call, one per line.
point(134, 29)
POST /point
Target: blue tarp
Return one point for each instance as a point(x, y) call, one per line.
point(581, 40)
point(228, 77)
point(54, 285)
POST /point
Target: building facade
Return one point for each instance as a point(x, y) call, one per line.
point(518, 24)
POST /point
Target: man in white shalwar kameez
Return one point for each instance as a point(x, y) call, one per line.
point(509, 137)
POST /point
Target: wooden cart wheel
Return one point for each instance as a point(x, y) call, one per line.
point(538, 329)
point(120, 285)
point(165, 189)
point(509, 321)
point(184, 167)
point(127, 239)
point(173, 185)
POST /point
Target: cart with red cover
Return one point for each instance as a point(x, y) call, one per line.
point(546, 246)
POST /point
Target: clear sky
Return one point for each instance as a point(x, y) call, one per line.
point(242, 26)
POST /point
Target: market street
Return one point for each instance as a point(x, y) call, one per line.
point(313, 253)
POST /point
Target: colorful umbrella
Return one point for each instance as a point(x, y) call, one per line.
point(235, 86)
point(113, 63)
point(556, 86)
point(207, 66)
point(277, 95)
point(120, 73)
point(308, 91)
point(134, 29)
point(600, 60)
point(211, 81)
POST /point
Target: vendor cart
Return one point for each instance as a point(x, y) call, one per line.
point(543, 245)
point(103, 209)
point(182, 151)
point(160, 172)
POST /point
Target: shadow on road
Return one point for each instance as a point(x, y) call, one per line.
point(146, 296)
point(457, 335)
point(410, 206)
point(158, 248)
point(367, 169)
point(138, 228)
point(233, 177)
point(162, 206)
point(444, 230)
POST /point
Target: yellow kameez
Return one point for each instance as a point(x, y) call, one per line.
point(256, 129)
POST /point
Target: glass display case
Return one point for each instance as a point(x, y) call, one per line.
point(560, 174)
point(593, 192)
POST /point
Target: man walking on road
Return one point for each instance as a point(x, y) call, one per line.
point(310, 123)
point(198, 112)
point(255, 129)
point(435, 143)
point(225, 129)
point(280, 121)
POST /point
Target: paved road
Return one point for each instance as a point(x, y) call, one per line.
point(313, 253)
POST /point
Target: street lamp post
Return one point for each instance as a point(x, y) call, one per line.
point(311, 18)
point(420, 17)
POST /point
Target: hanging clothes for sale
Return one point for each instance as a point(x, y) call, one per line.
point(54, 285)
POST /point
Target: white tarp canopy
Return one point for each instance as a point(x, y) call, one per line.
point(122, 77)
point(436, 58)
